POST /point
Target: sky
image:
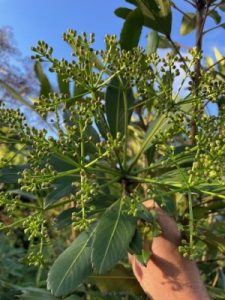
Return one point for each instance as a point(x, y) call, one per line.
point(33, 20)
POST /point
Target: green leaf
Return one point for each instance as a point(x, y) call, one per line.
point(157, 15)
point(45, 86)
point(113, 234)
point(118, 108)
point(136, 246)
point(64, 86)
point(60, 190)
point(214, 240)
point(64, 218)
point(120, 279)
point(132, 1)
point(72, 267)
point(154, 128)
point(14, 94)
point(215, 16)
point(10, 174)
point(31, 293)
point(90, 146)
point(102, 124)
point(222, 6)
point(152, 42)
point(122, 12)
point(164, 42)
point(131, 31)
point(216, 293)
point(188, 23)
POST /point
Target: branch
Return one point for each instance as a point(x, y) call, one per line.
point(212, 28)
point(216, 63)
point(181, 11)
point(216, 5)
point(200, 33)
point(191, 3)
point(178, 52)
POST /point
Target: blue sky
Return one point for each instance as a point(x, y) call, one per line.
point(34, 20)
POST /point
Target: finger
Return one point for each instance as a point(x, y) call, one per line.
point(166, 223)
point(137, 267)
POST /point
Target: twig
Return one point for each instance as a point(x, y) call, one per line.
point(216, 63)
point(202, 13)
point(191, 3)
point(216, 5)
point(178, 52)
point(181, 11)
point(212, 28)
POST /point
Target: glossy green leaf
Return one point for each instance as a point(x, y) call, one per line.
point(10, 174)
point(120, 279)
point(32, 293)
point(131, 31)
point(122, 12)
point(64, 86)
point(118, 104)
point(72, 267)
point(132, 1)
point(188, 23)
point(157, 15)
point(164, 43)
point(90, 146)
point(216, 293)
point(113, 234)
point(63, 189)
point(45, 86)
point(64, 219)
point(214, 240)
point(154, 128)
point(215, 16)
point(14, 94)
point(152, 42)
point(136, 246)
point(102, 124)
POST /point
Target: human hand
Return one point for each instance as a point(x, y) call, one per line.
point(168, 275)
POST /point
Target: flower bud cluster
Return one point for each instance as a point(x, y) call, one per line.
point(105, 148)
point(35, 258)
point(211, 144)
point(87, 189)
point(131, 203)
point(37, 179)
point(15, 121)
point(9, 202)
point(33, 227)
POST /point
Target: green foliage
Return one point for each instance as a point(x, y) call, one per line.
point(155, 14)
point(112, 237)
point(72, 267)
point(121, 133)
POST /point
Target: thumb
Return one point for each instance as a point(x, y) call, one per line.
point(137, 267)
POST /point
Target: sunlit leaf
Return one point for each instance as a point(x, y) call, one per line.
point(131, 31)
point(14, 94)
point(152, 42)
point(215, 16)
point(188, 23)
point(45, 86)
